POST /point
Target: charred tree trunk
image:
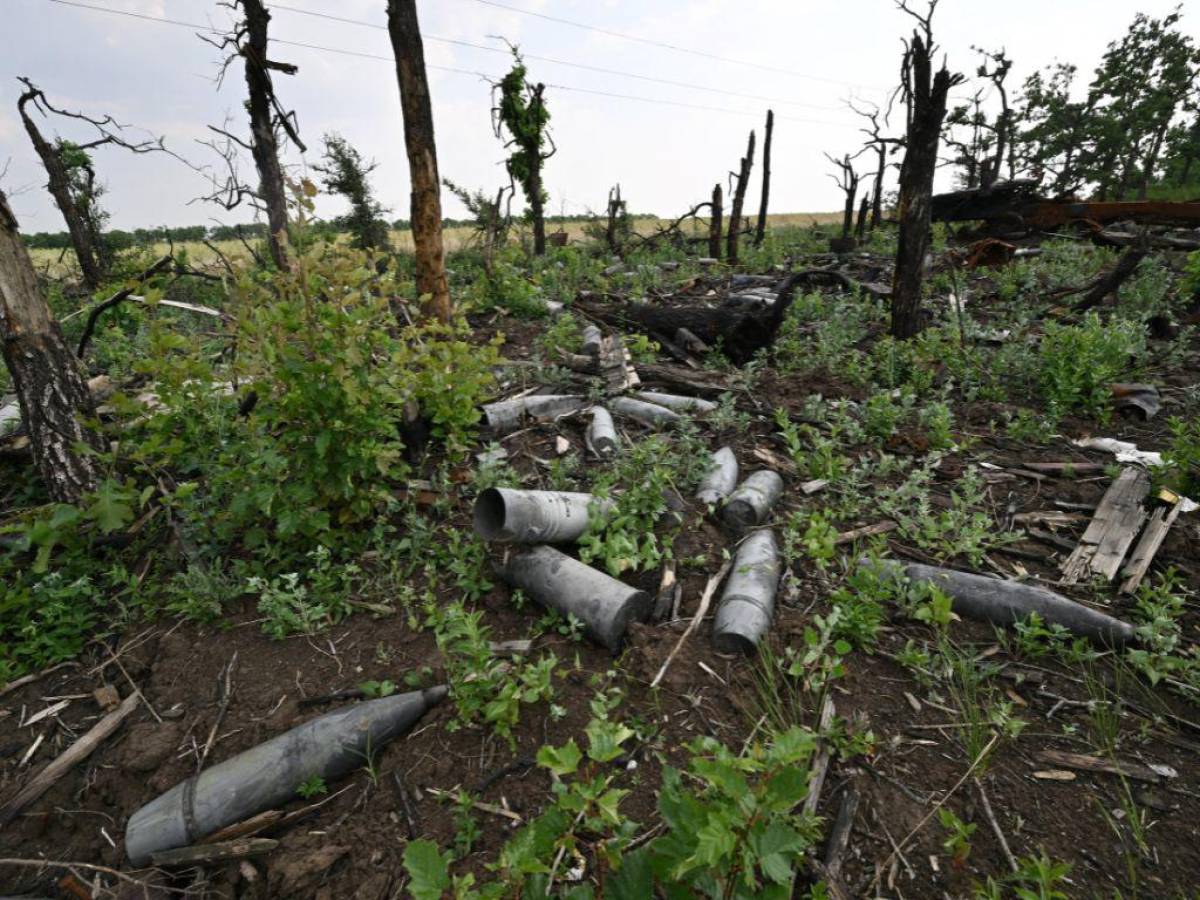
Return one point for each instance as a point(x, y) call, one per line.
point(739, 199)
point(860, 230)
point(84, 240)
point(761, 231)
point(422, 158)
point(714, 224)
point(877, 195)
point(264, 145)
point(927, 108)
point(50, 389)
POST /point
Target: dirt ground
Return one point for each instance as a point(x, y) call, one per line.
point(349, 843)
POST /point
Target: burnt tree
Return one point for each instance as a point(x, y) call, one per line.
point(925, 96)
point(405, 32)
point(860, 228)
point(761, 231)
point(878, 144)
point(742, 177)
point(996, 73)
point(847, 182)
point(248, 42)
point(521, 111)
point(72, 178)
point(714, 223)
point(53, 397)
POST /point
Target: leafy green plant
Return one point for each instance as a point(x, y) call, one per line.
point(737, 834)
point(311, 787)
point(485, 689)
point(377, 689)
point(1183, 456)
point(958, 838)
point(295, 607)
point(1078, 362)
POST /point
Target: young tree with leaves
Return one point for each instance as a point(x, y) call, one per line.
point(426, 206)
point(346, 173)
point(51, 391)
point(521, 112)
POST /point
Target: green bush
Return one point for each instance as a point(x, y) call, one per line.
point(1078, 362)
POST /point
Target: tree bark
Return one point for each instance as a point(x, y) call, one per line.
point(426, 214)
point(739, 199)
point(860, 229)
point(264, 145)
point(927, 110)
point(50, 389)
point(761, 230)
point(714, 224)
point(877, 198)
point(85, 242)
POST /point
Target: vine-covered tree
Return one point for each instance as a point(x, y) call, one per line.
point(426, 204)
point(520, 111)
point(248, 42)
point(72, 177)
point(345, 173)
point(53, 397)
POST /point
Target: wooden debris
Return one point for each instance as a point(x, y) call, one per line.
point(1064, 469)
point(1112, 529)
point(76, 753)
point(511, 648)
point(1054, 775)
point(46, 713)
point(705, 600)
point(480, 805)
point(666, 591)
point(1085, 763)
point(1143, 554)
point(820, 766)
point(839, 834)
point(847, 537)
point(201, 854)
point(106, 697)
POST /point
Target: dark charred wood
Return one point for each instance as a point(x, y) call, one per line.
point(1109, 283)
point(761, 230)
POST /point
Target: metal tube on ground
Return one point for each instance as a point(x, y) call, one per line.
point(748, 603)
point(592, 336)
point(649, 414)
point(601, 435)
point(267, 776)
point(676, 402)
point(1006, 602)
point(604, 605)
point(508, 415)
point(721, 478)
point(533, 517)
point(751, 503)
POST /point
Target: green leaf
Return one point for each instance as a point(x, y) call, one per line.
point(428, 870)
point(562, 760)
point(110, 509)
point(605, 739)
point(634, 880)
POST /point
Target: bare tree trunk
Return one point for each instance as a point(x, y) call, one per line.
point(761, 230)
point(877, 198)
point(860, 230)
point(739, 198)
point(714, 224)
point(422, 158)
point(927, 110)
point(50, 389)
point(264, 145)
point(83, 238)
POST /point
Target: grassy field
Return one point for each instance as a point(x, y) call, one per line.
point(56, 262)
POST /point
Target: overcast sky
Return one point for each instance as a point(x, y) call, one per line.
point(807, 57)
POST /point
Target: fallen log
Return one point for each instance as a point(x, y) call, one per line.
point(741, 332)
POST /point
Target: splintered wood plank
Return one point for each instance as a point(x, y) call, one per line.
point(1152, 538)
point(1118, 518)
point(616, 365)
